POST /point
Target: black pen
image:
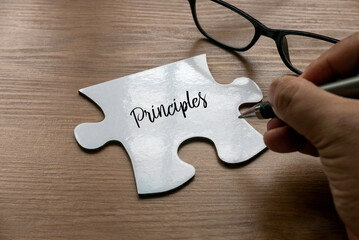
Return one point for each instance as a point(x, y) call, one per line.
point(347, 88)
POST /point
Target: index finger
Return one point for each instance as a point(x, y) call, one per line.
point(340, 61)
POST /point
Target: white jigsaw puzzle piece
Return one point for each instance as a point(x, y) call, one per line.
point(191, 104)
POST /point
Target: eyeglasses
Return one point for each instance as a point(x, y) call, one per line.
point(231, 28)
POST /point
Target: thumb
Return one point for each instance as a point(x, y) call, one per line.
point(303, 106)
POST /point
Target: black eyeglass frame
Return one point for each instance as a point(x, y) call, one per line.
point(278, 35)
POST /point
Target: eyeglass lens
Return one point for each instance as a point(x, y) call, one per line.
point(231, 29)
point(224, 25)
point(304, 50)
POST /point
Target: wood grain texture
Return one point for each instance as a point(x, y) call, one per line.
point(51, 189)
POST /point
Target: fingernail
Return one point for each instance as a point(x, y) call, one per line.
point(272, 89)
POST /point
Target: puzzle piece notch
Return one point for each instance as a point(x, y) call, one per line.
point(153, 146)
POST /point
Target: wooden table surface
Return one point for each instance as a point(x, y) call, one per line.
point(52, 189)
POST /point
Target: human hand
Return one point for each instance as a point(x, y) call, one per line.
point(313, 121)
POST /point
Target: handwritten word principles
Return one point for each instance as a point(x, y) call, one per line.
point(155, 112)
